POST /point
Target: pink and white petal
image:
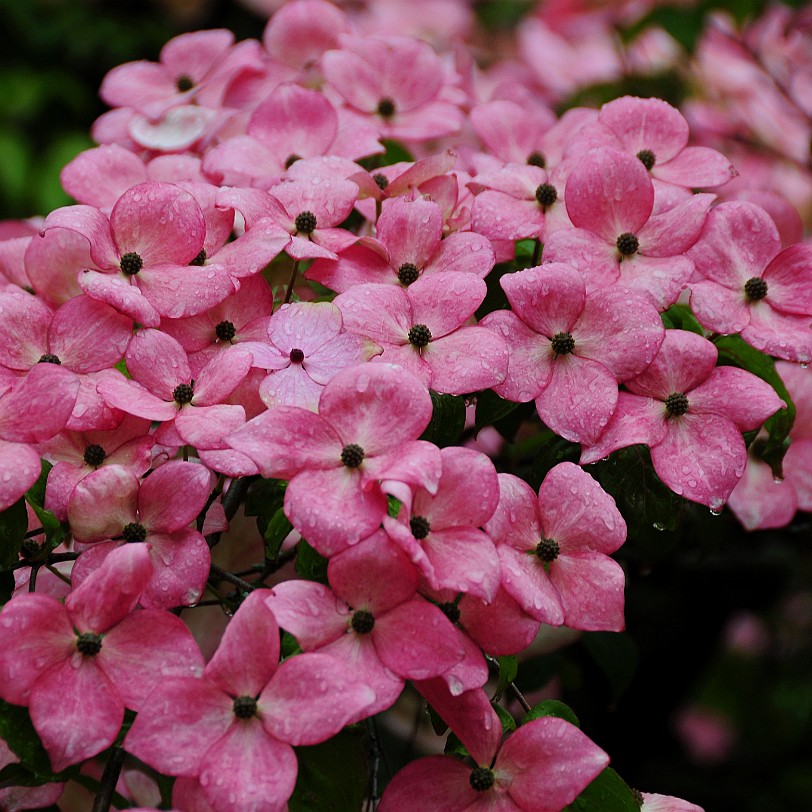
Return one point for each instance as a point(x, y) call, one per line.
point(206, 427)
point(661, 279)
point(177, 292)
point(240, 160)
point(160, 222)
point(246, 256)
point(534, 756)
point(701, 457)
point(463, 559)
point(468, 360)
point(381, 312)
point(377, 406)
point(99, 176)
point(783, 335)
point(388, 577)
point(52, 262)
point(415, 463)
point(24, 331)
point(416, 640)
point(252, 629)
point(610, 193)
point(529, 357)
point(501, 216)
point(408, 358)
point(181, 561)
point(291, 386)
point(248, 770)
point(286, 440)
point(178, 725)
point(674, 231)
point(345, 512)
point(173, 495)
point(526, 581)
point(646, 124)
point(146, 648)
point(467, 252)
point(758, 501)
point(445, 301)
point(653, 802)
point(696, 167)
point(120, 294)
point(593, 256)
point(94, 226)
point(299, 248)
point(20, 468)
point(516, 518)
point(76, 711)
point(549, 298)
point(157, 361)
point(798, 471)
point(737, 395)
point(439, 783)
point(500, 627)
point(129, 396)
point(311, 697)
point(229, 462)
point(304, 325)
point(112, 591)
point(357, 265)
point(579, 400)
point(470, 715)
point(103, 503)
point(591, 588)
point(718, 308)
point(36, 633)
point(345, 349)
point(311, 612)
point(411, 230)
point(221, 376)
point(789, 279)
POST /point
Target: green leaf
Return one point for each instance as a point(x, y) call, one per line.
point(551, 707)
point(552, 451)
point(289, 646)
point(508, 668)
point(275, 533)
point(310, 564)
point(454, 747)
point(507, 721)
point(607, 793)
point(332, 776)
point(447, 420)
point(7, 586)
point(735, 351)
point(680, 317)
point(265, 498)
point(13, 524)
point(616, 654)
point(490, 408)
point(393, 506)
point(55, 531)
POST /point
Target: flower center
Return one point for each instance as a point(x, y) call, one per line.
point(647, 158)
point(450, 610)
point(89, 644)
point(386, 107)
point(184, 83)
point(225, 331)
point(352, 455)
point(94, 455)
point(305, 222)
point(547, 550)
point(183, 393)
point(676, 404)
point(291, 159)
point(408, 273)
point(381, 180)
point(420, 527)
point(49, 358)
point(419, 335)
point(627, 244)
point(245, 707)
point(546, 195)
point(296, 355)
point(481, 779)
point(562, 343)
point(536, 158)
point(755, 288)
point(200, 259)
point(362, 622)
point(638, 796)
point(131, 263)
point(134, 532)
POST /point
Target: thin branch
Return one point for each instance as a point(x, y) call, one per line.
point(294, 272)
point(518, 694)
point(109, 780)
point(223, 575)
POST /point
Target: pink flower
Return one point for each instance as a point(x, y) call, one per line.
point(691, 415)
point(233, 729)
point(369, 418)
point(569, 349)
point(421, 329)
point(752, 287)
point(541, 767)
point(82, 663)
point(554, 549)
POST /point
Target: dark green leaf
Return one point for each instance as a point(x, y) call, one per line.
point(551, 707)
point(616, 654)
point(680, 317)
point(275, 533)
point(552, 451)
point(290, 646)
point(454, 747)
point(447, 420)
point(735, 351)
point(332, 776)
point(7, 586)
point(508, 668)
point(508, 722)
point(310, 564)
point(607, 793)
point(13, 524)
point(490, 408)
point(265, 497)
point(36, 493)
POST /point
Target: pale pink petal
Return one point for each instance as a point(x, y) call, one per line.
point(758, 501)
point(468, 360)
point(414, 463)
point(549, 299)
point(789, 279)
point(439, 783)
point(646, 124)
point(182, 561)
point(291, 386)
point(666, 803)
point(410, 230)
point(173, 495)
point(221, 376)
point(780, 334)
point(591, 589)
point(345, 349)
point(178, 292)
point(93, 226)
point(121, 294)
point(24, 328)
point(467, 252)
point(53, 261)
point(99, 176)
point(206, 427)
point(696, 167)
point(676, 230)
point(19, 470)
point(445, 301)
point(719, 308)
point(501, 216)
point(525, 580)
point(129, 396)
point(382, 312)
point(463, 559)
point(103, 503)
point(309, 611)
point(516, 518)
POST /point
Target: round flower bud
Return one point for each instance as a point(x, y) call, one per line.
point(546, 195)
point(49, 358)
point(547, 550)
point(200, 259)
point(408, 273)
point(134, 532)
point(647, 158)
point(245, 707)
point(536, 158)
point(386, 107)
point(296, 355)
point(225, 331)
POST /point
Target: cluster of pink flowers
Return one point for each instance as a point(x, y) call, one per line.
point(248, 289)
